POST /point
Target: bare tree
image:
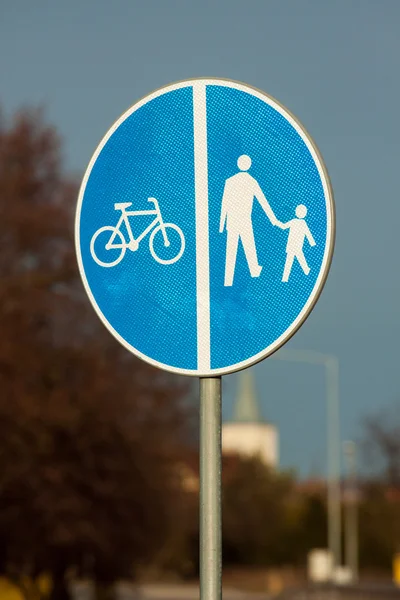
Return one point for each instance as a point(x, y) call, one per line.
point(382, 444)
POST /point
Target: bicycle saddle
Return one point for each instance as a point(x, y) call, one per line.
point(122, 205)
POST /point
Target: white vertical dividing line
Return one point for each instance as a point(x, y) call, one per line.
point(202, 238)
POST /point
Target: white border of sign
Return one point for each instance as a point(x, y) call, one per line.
point(205, 371)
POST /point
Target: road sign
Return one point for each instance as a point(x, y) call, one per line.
point(205, 227)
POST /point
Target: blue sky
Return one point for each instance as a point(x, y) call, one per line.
point(335, 65)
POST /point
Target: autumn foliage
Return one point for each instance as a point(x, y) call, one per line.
point(89, 435)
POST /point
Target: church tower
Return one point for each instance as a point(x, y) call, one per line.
point(248, 434)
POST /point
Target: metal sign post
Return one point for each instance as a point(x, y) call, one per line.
point(204, 234)
point(210, 489)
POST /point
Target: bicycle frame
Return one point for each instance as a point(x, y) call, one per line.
point(124, 218)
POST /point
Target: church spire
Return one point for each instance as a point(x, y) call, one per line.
point(246, 408)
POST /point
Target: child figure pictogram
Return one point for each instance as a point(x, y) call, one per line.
point(298, 231)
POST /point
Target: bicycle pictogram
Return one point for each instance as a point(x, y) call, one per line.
point(114, 240)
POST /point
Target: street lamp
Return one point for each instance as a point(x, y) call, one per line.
point(331, 365)
point(351, 509)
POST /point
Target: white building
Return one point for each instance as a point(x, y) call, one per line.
point(248, 434)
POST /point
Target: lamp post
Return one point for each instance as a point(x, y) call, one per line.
point(351, 510)
point(331, 365)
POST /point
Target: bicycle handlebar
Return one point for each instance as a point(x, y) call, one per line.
point(156, 205)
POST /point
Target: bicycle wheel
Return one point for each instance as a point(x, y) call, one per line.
point(115, 255)
point(174, 250)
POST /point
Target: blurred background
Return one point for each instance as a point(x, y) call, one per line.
point(98, 451)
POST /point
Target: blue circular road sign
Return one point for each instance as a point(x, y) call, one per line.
point(205, 227)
